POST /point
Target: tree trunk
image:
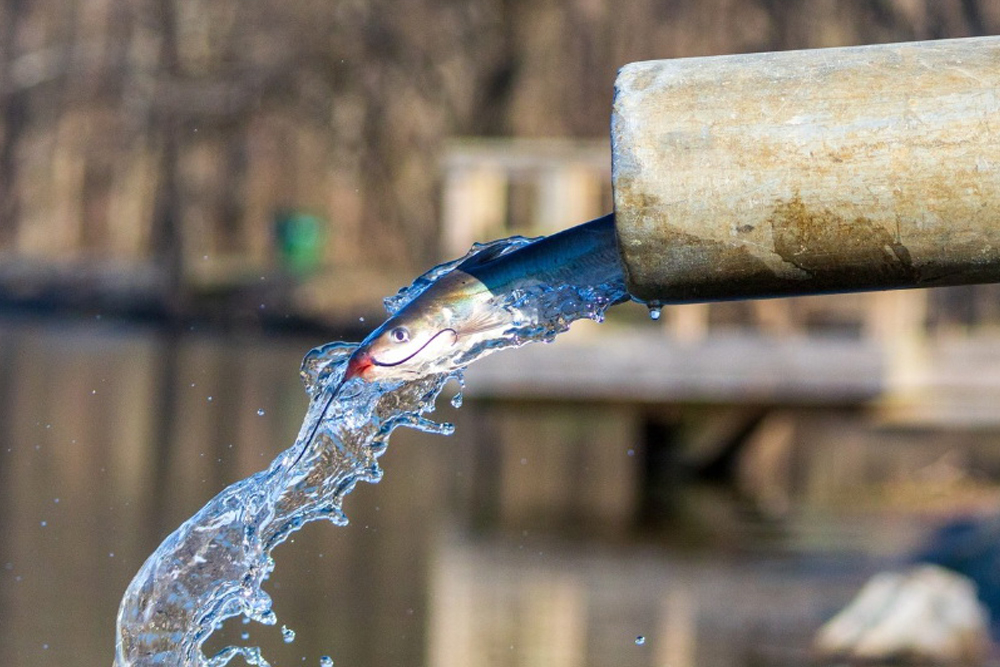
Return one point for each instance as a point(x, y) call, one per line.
point(13, 120)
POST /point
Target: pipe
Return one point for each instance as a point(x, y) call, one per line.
point(804, 172)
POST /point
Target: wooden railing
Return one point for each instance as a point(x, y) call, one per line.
point(498, 187)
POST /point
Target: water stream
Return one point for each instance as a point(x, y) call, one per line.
point(214, 566)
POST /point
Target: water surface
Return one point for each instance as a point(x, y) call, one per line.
point(112, 449)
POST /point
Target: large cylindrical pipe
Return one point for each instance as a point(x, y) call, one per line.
point(802, 172)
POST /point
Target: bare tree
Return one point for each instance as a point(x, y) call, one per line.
point(197, 119)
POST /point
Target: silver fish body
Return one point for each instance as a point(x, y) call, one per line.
point(463, 307)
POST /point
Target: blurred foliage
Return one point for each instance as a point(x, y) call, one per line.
point(161, 128)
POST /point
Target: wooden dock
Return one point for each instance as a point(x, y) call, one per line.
point(945, 380)
point(648, 366)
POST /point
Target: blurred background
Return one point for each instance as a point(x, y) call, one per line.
point(193, 193)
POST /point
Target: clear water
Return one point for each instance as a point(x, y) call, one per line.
point(214, 566)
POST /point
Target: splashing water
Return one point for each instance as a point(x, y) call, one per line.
point(213, 566)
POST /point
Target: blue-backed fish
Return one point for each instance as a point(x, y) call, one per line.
point(475, 303)
point(461, 308)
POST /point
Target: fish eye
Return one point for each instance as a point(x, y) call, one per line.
point(399, 334)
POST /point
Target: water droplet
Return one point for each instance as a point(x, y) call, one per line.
point(361, 319)
point(55, 500)
point(654, 312)
point(245, 636)
point(640, 640)
point(326, 661)
point(209, 399)
point(45, 647)
point(457, 399)
point(44, 523)
point(630, 452)
point(111, 554)
point(260, 412)
point(287, 634)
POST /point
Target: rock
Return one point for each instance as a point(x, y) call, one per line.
point(925, 614)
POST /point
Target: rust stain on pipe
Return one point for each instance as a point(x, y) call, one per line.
point(838, 253)
point(812, 171)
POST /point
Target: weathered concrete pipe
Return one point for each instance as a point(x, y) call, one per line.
point(802, 172)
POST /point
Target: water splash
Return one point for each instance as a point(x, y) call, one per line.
point(213, 566)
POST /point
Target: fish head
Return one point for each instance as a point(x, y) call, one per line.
point(426, 334)
point(401, 346)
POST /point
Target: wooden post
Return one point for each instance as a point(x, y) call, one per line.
point(475, 207)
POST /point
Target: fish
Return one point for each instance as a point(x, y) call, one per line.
point(470, 305)
point(461, 308)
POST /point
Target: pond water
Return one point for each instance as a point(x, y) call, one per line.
point(111, 435)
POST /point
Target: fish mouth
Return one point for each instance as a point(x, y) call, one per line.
point(383, 364)
point(357, 365)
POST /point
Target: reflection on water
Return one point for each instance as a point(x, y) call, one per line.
point(516, 542)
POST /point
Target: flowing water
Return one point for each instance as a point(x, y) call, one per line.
point(214, 566)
